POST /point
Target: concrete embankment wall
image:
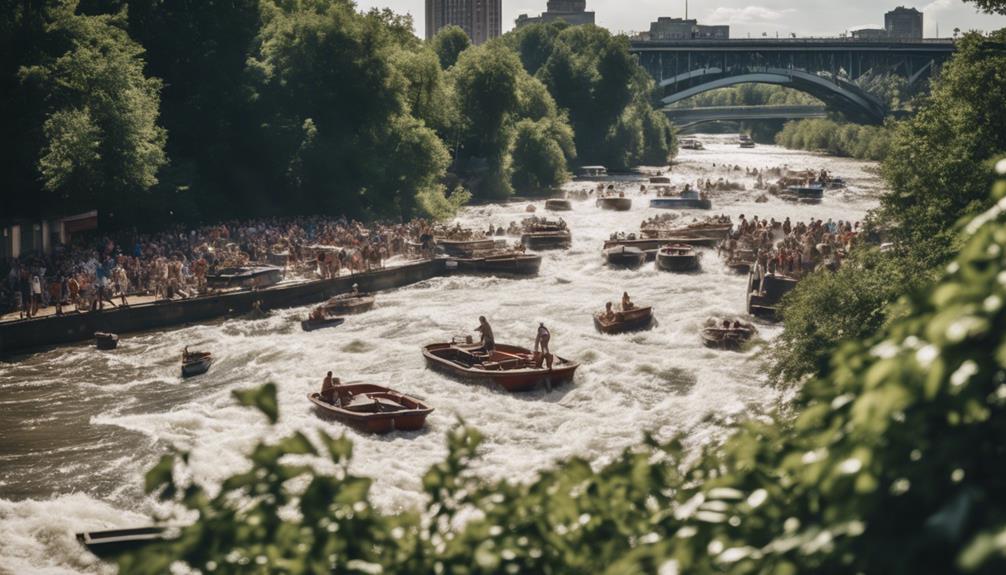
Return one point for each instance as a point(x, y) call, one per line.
point(30, 334)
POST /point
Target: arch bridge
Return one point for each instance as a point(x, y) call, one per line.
point(828, 69)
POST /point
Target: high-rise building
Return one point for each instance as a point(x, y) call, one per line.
point(482, 20)
point(904, 23)
point(665, 29)
point(572, 11)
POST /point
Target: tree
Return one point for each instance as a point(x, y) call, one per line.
point(991, 6)
point(101, 141)
point(449, 43)
point(539, 161)
point(937, 166)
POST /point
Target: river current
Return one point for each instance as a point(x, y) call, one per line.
point(79, 427)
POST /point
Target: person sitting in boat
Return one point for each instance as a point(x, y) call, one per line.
point(356, 289)
point(609, 312)
point(487, 340)
point(626, 302)
point(317, 314)
point(328, 388)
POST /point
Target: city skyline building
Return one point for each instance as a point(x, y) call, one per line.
point(573, 12)
point(904, 23)
point(482, 20)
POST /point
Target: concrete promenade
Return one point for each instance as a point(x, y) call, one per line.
point(143, 313)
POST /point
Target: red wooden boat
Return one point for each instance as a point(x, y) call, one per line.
point(373, 408)
point(512, 368)
point(349, 303)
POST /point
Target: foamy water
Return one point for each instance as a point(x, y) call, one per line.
point(79, 427)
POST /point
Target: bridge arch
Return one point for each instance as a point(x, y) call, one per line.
point(838, 94)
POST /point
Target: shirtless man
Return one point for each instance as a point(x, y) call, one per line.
point(609, 313)
point(626, 302)
point(328, 388)
point(542, 339)
point(487, 340)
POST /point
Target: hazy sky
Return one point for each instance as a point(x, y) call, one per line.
point(803, 17)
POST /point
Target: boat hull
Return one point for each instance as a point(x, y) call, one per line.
point(673, 263)
point(349, 305)
point(412, 416)
point(196, 367)
point(316, 324)
point(558, 205)
point(638, 319)
point(615, 204)
point(246, 277)
point(517, 265)
point(728, 339)
point(106, 341)
point(455, 247)
point(111, 542)
point(681, 204)
point(547, 240)
point(452, 359)
point(624, 257)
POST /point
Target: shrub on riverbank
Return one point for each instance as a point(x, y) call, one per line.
point(838, 139)
point(892, 465)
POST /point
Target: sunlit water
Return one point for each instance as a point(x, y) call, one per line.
point(78, 427)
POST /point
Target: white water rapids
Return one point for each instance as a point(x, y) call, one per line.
point(79, 427)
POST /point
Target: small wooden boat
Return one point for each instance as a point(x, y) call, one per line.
point(765, 292)
point(635, 319)
point(677, 258)
point(515, 264)
point(647, 244)
point(558, 205)
point(547, 240)
point(615, 203)
point(106, 341)
point(686, 200)
point(699, 229)
point(511, 367)
point(245, 277)
point(196, 363)
point(315, 324)
point(691, 144)
point(745, 141)
point(112, 542)
point(624, 256)
point(349, 303)
point(717, 336)
point(373, 408)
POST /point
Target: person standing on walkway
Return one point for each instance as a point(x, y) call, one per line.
point(36, 294)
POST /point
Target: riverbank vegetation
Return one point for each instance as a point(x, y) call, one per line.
point(163, 113)
point(838, 139)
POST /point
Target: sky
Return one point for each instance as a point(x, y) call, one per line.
point(800, 17)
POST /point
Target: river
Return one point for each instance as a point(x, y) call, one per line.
point(78, 427)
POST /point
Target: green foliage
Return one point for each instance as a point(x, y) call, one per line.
point(991, 6)
point(838, 139)
point(828, 308)
point(539, 163)
point(595, 79)
point(449, 43)
point(101, 139)
point(893, 464)
point(938, 162)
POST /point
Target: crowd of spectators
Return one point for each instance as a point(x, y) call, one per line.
point(790, 249)
point(90, 273)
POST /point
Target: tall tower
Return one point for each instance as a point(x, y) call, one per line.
point(482, 20)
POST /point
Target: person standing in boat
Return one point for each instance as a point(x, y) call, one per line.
point(487, 340)
point(626, 302)
point(542, 339)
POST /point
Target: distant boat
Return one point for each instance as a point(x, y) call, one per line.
point(373, 408)
point(746, 141)
point(715, 335)
point(112, 542)
point(349, 303)
point(558, 205)
point(245, 277)
point(624, 256)
point(812, 194)
point(635, 319)
point(677, 258)
point(692, 144)
point(590, 172)
point(686, 200)
point(316, 324)
point(515, 263)
point(196, 363)
point(614, 203)
point(106, 341)
point(512, 368)
point(465, 247)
